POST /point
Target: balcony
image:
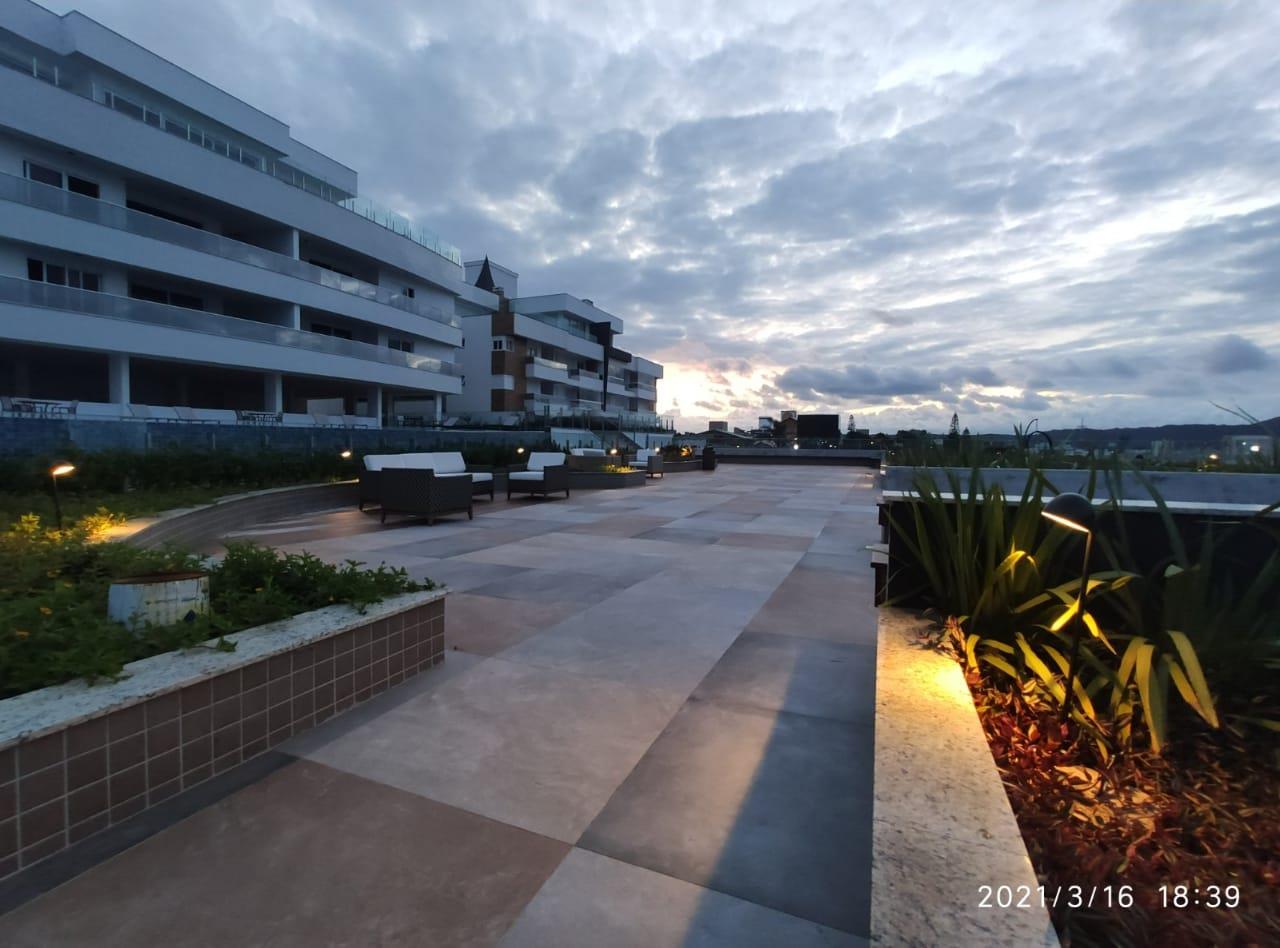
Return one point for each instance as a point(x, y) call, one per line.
point(59, 76)
point(48, 296)
point(80, 207)
point(547, 370)
point(587, 380)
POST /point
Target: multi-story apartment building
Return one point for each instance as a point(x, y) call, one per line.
point(167, 250)
point(551, 355)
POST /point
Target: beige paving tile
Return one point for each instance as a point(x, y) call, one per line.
point(485, 625)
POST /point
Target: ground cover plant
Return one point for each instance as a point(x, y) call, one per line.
point(1165, 771)
point(53, 599)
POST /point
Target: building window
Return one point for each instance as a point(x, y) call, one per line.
point(324, 329)
point(402, 345)
point(410, 292)
point(152, 294)
point(167, 215)
point(502, 344)
point(54, 273)
point(55, 178)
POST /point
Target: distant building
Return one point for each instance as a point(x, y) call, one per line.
point(718, 426)
point(1245, 449)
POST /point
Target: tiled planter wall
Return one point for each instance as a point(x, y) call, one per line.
point(63, 785)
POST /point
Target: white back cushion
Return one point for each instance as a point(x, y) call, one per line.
point(589, 452)
point(450, 462)
point(374, 462)
point(418, 461)
point(544, 459)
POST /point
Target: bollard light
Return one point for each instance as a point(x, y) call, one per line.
point(346, 455)
point(61, 469)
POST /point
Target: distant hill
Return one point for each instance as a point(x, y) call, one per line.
point(1184, 435)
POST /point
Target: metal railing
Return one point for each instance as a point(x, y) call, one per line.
point(46, 197)
point(56, 76)
point(50, 296)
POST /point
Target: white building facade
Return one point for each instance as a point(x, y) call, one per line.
point(167, 250)
point(552, 356)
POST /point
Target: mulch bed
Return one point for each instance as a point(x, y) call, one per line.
point(1206, 813)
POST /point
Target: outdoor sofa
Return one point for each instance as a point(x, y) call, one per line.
point(544, 473)
point(650, 462)
point(446, 465)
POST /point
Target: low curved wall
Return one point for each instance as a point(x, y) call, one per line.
point(198, 525)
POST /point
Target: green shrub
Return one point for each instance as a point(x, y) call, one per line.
point(53, 602)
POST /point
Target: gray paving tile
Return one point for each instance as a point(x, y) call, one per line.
point(833, 563)
point(592, 900)
point(307, 856)
point(799, 675)
point(774, 808)
point(535, 748)
point(546, 585)
point(677, 535)
point(461, 575)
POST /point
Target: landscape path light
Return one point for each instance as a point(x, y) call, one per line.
point(61, 469)
point(1075, 512)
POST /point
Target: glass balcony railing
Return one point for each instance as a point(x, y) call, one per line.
point(561, 321)
point(49, 296)
point(547, 363)
point(48, 198)
point(56, 75)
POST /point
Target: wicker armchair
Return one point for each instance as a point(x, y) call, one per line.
point(406, 490)
point(370, 489)
point(547, 480)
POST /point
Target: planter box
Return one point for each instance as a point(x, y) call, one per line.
point(680, 467)
point(942, 824)
point(84, 757)
point(598, 480)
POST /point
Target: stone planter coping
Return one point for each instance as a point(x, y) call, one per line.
point(942, 824)
point(28, 716)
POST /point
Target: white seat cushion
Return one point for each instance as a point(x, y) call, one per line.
point(540, 459)
point(481, 477)
point(449, 462)
point(442, 476)
point(418, 461)
point(525, 475)
point(374, 462)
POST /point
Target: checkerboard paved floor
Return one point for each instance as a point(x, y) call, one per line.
point(654, 727)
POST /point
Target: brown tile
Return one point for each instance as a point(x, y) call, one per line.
point(280, 689)
point(342, 664)
point(42, 786)
point(41, 753)
point(253, 748)
point(253, 701)
point(86, 768)
point(303, 707)
point(343, 702)
point(324, 649)
point(95, 824)
point(8, 764)
point(197, 724)
point(324, 696)
point(363, 635)
point(164, 708)
point(196, 697)
point(163, 792)
point(122, 811)
point(323, 671)
point(253, 728)
point(225, 686)
point(87, 736)
point(43, 849)
point(164, 768)
point(303, 657)
point(277, 737)
point(361, 677)
point(343, 643)
point(226, 740)
point(226, 761)
point(362, 655)
point(379, 649)
point(127, 784)
point(226, 712)
point(281, 666)
point(197, 753)
point(395, 664)
point(8, 800)
point(197, 776)
point(280, 716)
point(303, 681)
point(343, 687)
point(127, 753)
point(8, 838)
point(8, 866)
point(88, 801)
point(126, 722)
point(34, 825)
point(162, 738)
point(296, 825)
point(251, 676)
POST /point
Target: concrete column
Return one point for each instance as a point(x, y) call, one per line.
point(374, 401)
point(294, 315)
point(22, 378)
point(118, 379)
point(439, 407)
point(273, 392)
point(294, 248)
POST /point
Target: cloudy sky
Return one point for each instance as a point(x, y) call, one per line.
point(896, 210)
